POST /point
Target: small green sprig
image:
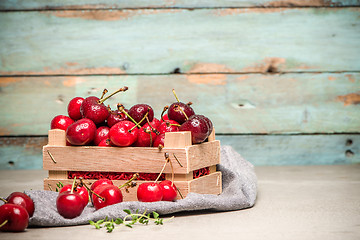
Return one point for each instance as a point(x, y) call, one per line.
point(128, 221)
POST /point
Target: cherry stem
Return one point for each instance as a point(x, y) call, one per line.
point(181, 110)
point(121, 109)
point(91, 191)
point(177, 99)
point(164, 110)
point(4, 223)
point(138, 124)
point(162, 170)
point(119, 90)
point(135, 176)
point(172, 169)
point(182, 197)
point(73, 185)
point(103, 93)
point(3, 199)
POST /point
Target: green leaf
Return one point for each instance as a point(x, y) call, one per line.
point(119, 221)
point(127, 211)
point(91, 222)
point(156, 215)
point(100, 221)
point(128, 225)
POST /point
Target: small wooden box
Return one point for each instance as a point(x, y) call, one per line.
point(58, 159)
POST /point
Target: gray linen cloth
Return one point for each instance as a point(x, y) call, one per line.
point(239, 192)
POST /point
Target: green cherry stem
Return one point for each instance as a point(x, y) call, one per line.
point(4, 223)
point(73, 186)
point(117, 91)
point(135, 176)
point(162, 170)
point(91, 191)
point(138, 124)
point(162, 113)
point(3, 199)
point(177, 99)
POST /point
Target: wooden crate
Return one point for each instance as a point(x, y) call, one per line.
point(58, 159)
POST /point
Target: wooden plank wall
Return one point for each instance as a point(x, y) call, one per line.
point(279, 79)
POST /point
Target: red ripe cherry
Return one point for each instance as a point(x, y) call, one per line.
point(74, 108)
point(102, 133)
point(81, 190)
point(199, 128)
point(155, 123)
point(105, 143)
point(23, 200)
point(69, 204)
point(116, 116)
point(81, 132)
point(159, 140)
point(123, 134)
point(109, 194)
point(176, 112)
point(169, 190)
point(164, 118)
point(138, 111)
point(61, 122)
point(92, 109)
point(13, 218)
point(149, 192)
point(168, 126)
point(146, 137)
point(101, 181)
point(209, 123)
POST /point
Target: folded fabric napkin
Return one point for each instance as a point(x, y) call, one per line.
point(239, 192)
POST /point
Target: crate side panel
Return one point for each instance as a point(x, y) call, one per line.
point(112, 159)
point(204, 155)
point(209, 184)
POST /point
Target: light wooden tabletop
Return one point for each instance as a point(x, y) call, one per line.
point(294, 202)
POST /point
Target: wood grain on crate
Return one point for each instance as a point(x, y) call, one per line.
point(236, 103)
point(100, 4)
point(188, 41)
point(26, 152)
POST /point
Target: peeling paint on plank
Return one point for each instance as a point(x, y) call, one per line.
point(70, 70)
point(109, 15)
point(268, 65)
point(349, 99)
point(210, 68)
point(212, 79)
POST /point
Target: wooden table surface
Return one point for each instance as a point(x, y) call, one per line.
point(294, 202)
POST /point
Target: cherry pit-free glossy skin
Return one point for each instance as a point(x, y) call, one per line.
point(146, 136)
point(101, 134)
point(168, 126)
point(159, 140)
point(138, 111)
point(81, 190)
point(176, 112)
point(74, 108)
point(82, 132)
point(149, 192)
point(199, 128)
point(116, 116)
point(69, 204)
point(101, 181)
point(169, 190)
point(23, 200)
point(16, 216)
point(110, 194)
point(92, 109)
point(123, 134)
point(61, 122)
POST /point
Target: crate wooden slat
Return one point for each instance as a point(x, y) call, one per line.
point(59, 159)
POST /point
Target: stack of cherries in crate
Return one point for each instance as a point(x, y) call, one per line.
point(90, 122)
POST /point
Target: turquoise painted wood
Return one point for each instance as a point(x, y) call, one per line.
point(100, 4)
point(236, 103)
point(161, 41)
point(25, 153)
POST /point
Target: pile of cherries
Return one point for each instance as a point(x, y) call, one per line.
point(73, 198)
point(90, 122)
point(15, 213)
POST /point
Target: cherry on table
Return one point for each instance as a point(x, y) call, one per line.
point(74, 108)
point(123, 134)
point(146, 136)
point(168, 126)
point(92, 109)
point(169, 190)
point(117, 116)
point(106, 195)
point(69, 204)
point(149, 192)
point(13, 218)
point(23, 200)
point(101, 181)
point(105, 143)
point(81, 190)
point(61, 122)
point(81, 132)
